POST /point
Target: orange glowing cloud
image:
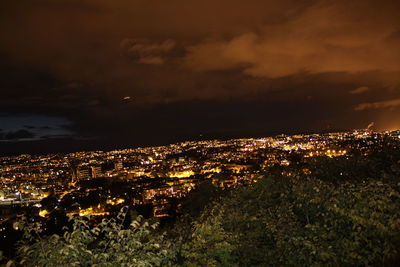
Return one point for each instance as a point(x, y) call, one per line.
point(379, 105)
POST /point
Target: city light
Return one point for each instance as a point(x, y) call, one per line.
point(155, 175)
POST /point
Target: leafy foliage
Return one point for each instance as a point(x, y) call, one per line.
point(306, 221)
point(210, 245)
point(107, 244)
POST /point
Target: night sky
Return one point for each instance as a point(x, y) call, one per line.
point(102, 74)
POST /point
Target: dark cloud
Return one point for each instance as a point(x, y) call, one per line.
point(147, 52)
point(107, 45)
point(203, 66)
point(29, 127)
point(17, 135)
point(57, 136)
point(326, 37)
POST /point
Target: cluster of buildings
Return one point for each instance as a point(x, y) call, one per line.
point(96, 182)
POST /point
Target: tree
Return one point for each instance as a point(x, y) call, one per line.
point(107, 244)
point(210, 244)
point(301, 221)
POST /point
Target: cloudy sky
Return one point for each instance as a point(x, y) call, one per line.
point(102, 74)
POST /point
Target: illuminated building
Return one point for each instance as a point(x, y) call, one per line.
point(118, 165)
point(96, 171)
point(83, 173)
